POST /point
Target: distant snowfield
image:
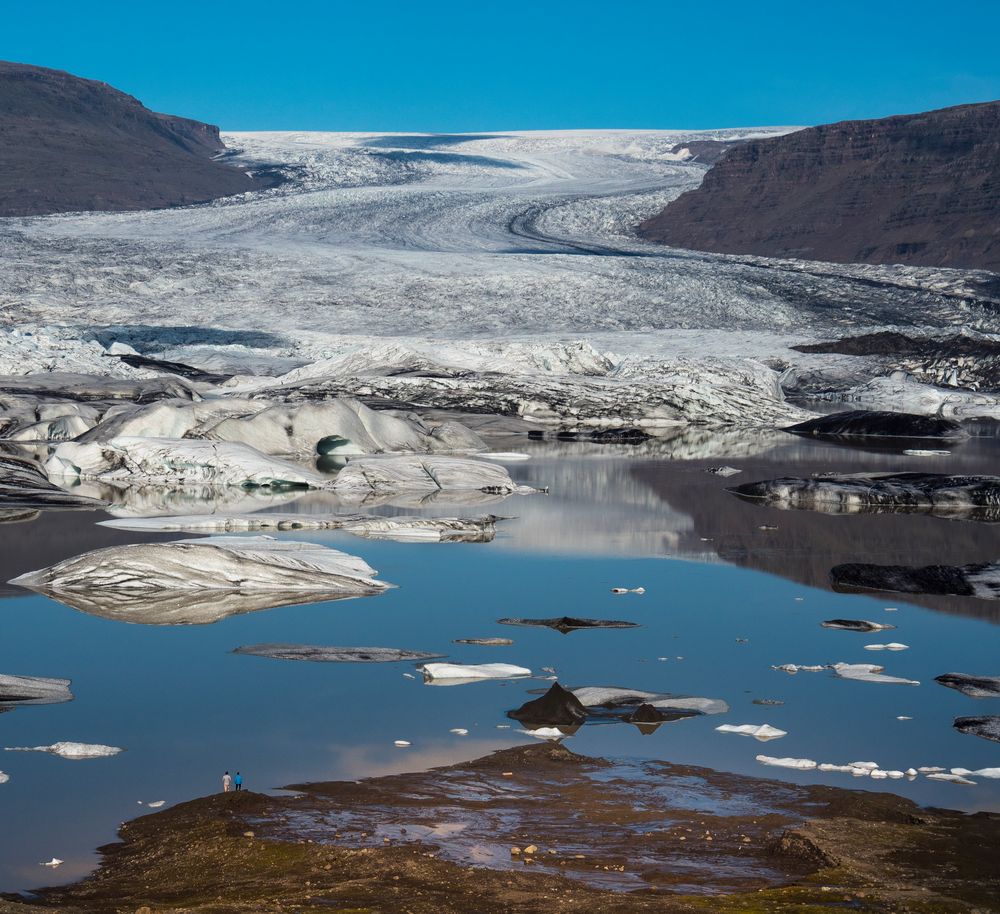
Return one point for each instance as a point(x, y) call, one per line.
point(520, 235)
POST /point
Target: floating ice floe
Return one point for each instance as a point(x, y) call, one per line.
point(402, 743)
point(862, 423)
point(613, 697)
point(322, 654)
point(801, 668)
point(973, 686)
point(54, 862)
point(723, 471)
point(992, 773)
point(960, 497)
point(24, 485)
point(459, 731)
point(4, 777)
point(891, 646)
point(984, 726)
point(867, 672)
point(802, 764)
point(566, 624)
point(549, 733)
point(762, 732)
point(178, 462)
point(925, 452)
point(456, 673)
point(202, 580)
point(32, 690)
point(368, 476)
point(505, 456)
point(70, 750)
point(620, 590)
point(951, 778)
point(856, 625)
point(982, 580)
point(156, 804)
point(485, 642)
point(401, 529)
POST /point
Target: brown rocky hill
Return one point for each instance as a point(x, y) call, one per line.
point(70, 144)
point(919, 189)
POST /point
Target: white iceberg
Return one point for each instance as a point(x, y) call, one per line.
point(32, 690)
point(70, 750)
point(417, 474)
point(891, 646)
point(868, 672)
point(202, 580)
point(4, 777)
point(950, 778)
point(613, 697)
point(455, 673)
point(762, 732)
point(802, 764)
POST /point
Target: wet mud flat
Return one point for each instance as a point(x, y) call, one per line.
point(591, 836)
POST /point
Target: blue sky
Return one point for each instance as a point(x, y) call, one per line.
point(449, 66)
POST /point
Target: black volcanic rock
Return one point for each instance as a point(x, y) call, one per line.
point(921, 189)
point(557, 707)
point(863, 423)
point(69, 144)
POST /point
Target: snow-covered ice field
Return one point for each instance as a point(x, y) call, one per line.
point(513, 235)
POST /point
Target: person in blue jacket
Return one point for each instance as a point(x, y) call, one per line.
point(238, 781)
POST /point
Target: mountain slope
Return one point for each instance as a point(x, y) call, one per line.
point(70, 144)
point(921, 189)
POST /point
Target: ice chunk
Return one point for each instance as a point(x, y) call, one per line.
point(951, 778)
point(23, 484)
point(550, 733)
point(454, 673)
point(54, 862)
point(861, 423)
point(980, 580)
point(202, 580)
point(723, 471)
point(762, 732)
point(402, 743)
point(803, 764)
point(891, 646)
point(70, 750)
point(855, 625)
point(459, 731)
point(867, 672)
point(321, 654)
point(566, 624)
point(376, 475)
point(613, 697)
point(4, 777)
point(985, 726)
point(177, 462)
point(401, 529)
point(925, 452)
point(32, 690)
point(973, 686)
point(800, 668)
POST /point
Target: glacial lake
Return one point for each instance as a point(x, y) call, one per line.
point(732, 588)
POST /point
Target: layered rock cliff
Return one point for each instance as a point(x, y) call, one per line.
point(921, 189)
point(69, 144)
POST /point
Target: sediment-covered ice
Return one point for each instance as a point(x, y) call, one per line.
point(961, 497)
point(32, 690)
point(566, 624)
point(873, 424)
point(985, 726)
point(202, 580)
point(23, 484)
point(321, 654)
point(856, 625)
point(901, 392)
point(56, 385)
point(70, 750)
point(177, 462)
point(368, 476)
point(982, 581)
point(403, 529)
point(973, 686)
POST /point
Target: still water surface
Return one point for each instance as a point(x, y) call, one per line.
point(186, 709)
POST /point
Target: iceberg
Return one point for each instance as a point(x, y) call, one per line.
point(322, 654)
point(32, 690)
point(403, 529)
point(984, 726)
point(973, 686)
point(958, 497)
point(613, 697)
point(202, 580)
point(867, 672)
point(456, 673)
point(856, 625)
point(24, 485)
point(802, 764)
point(566, 624)
point(178, 462)
point(70, 750)
point(762, 732)
point(982, 581)
point(861, 423)
point(376, 475)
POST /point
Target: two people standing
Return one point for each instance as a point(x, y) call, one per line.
point(230, 782)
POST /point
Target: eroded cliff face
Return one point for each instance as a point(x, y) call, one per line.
point(921, 189)
point(69, 144)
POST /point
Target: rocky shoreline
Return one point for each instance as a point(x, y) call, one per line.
point(474, 836)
